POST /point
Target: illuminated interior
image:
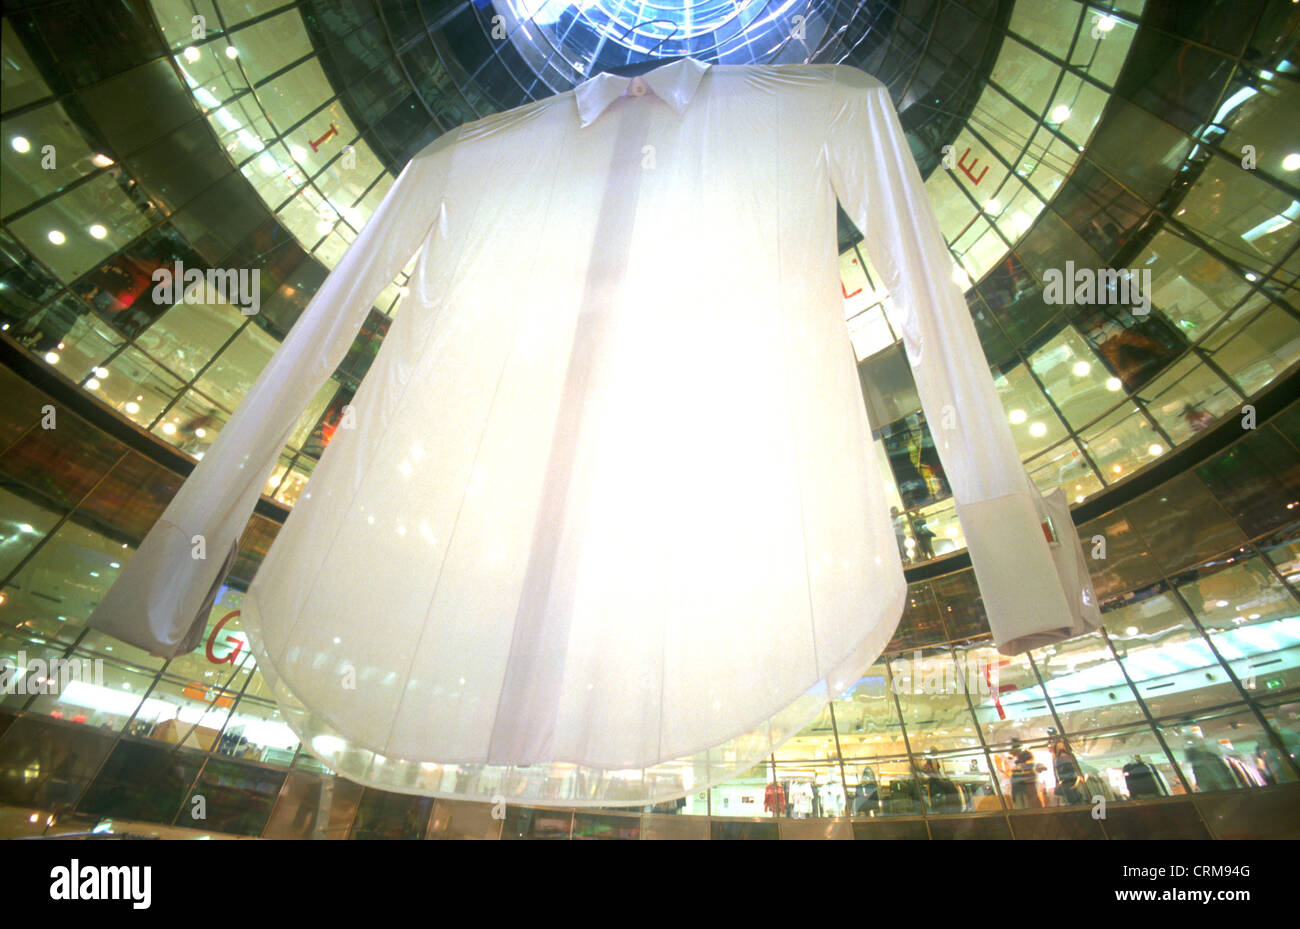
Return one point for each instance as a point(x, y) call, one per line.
point(1155, 137)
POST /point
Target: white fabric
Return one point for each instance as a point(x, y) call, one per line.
point(610, 526)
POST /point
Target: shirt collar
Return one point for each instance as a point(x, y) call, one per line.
point(673, 83)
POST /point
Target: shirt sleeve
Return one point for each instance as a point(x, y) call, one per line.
point(161, 599)
point(1026, 598)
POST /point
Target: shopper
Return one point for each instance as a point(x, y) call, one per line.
point(1024, 778)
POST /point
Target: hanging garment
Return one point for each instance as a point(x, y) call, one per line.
point(774, 799)
point(832, 798)
point(801, 800)
point(607, 522)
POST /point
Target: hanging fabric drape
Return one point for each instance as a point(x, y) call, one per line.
point(608, 526)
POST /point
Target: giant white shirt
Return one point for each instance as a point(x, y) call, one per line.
point(609, 526)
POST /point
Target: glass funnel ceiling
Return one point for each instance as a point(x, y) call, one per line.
point(617, 31)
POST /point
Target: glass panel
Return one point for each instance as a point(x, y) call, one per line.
point(866, 717)
point(142, 781)
point(56, 590)
point(931, 688)
point(452, 820)
point(183, 712)
point(1262, 349)
point(1023, 766)
point(302, 809)
point(602, 826)
point(1182, 523)
point(1064, 466)
point(232, 798)
point(1010, 703)
point(956, 782)
point(1034, 425)
point(1188, 398)
point(48, 765)
point(1086, 684)
point(1252, 619)
point(1166, 658)
point(382, 815)
point(1074, 378)
point(1125, 764)
point(1123, 442)
point(1256, 480)
point(257, 731)
point(523, 823)
point(1228, 752)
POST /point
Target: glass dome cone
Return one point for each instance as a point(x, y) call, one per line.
point(591, 35)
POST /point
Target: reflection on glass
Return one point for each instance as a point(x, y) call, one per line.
point(1168, 661)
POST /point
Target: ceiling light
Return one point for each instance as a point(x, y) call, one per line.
point(1114, 383)
point(1105, 23)
point(232, 52)
point(1252, 276)
point(1155, 449)
point(324, 226)
point(1038, 430)
point(98, 231)
point(1060, 113)
point(1081, 368)
point(57, 237)
point(101, 161)
point(991, 205)
point(1117, 469)
point(92, 384)
point(1017, 417)
point(1131, 630)
point(52, 357)
point(20, 144)
point(101, 373)
point(169, 428)
point(1291, 162)
point(191, 53)
point(132, 407)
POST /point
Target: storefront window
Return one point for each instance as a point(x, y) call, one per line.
point(956, 782)
point(1124, 764)
point(1226, 752)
